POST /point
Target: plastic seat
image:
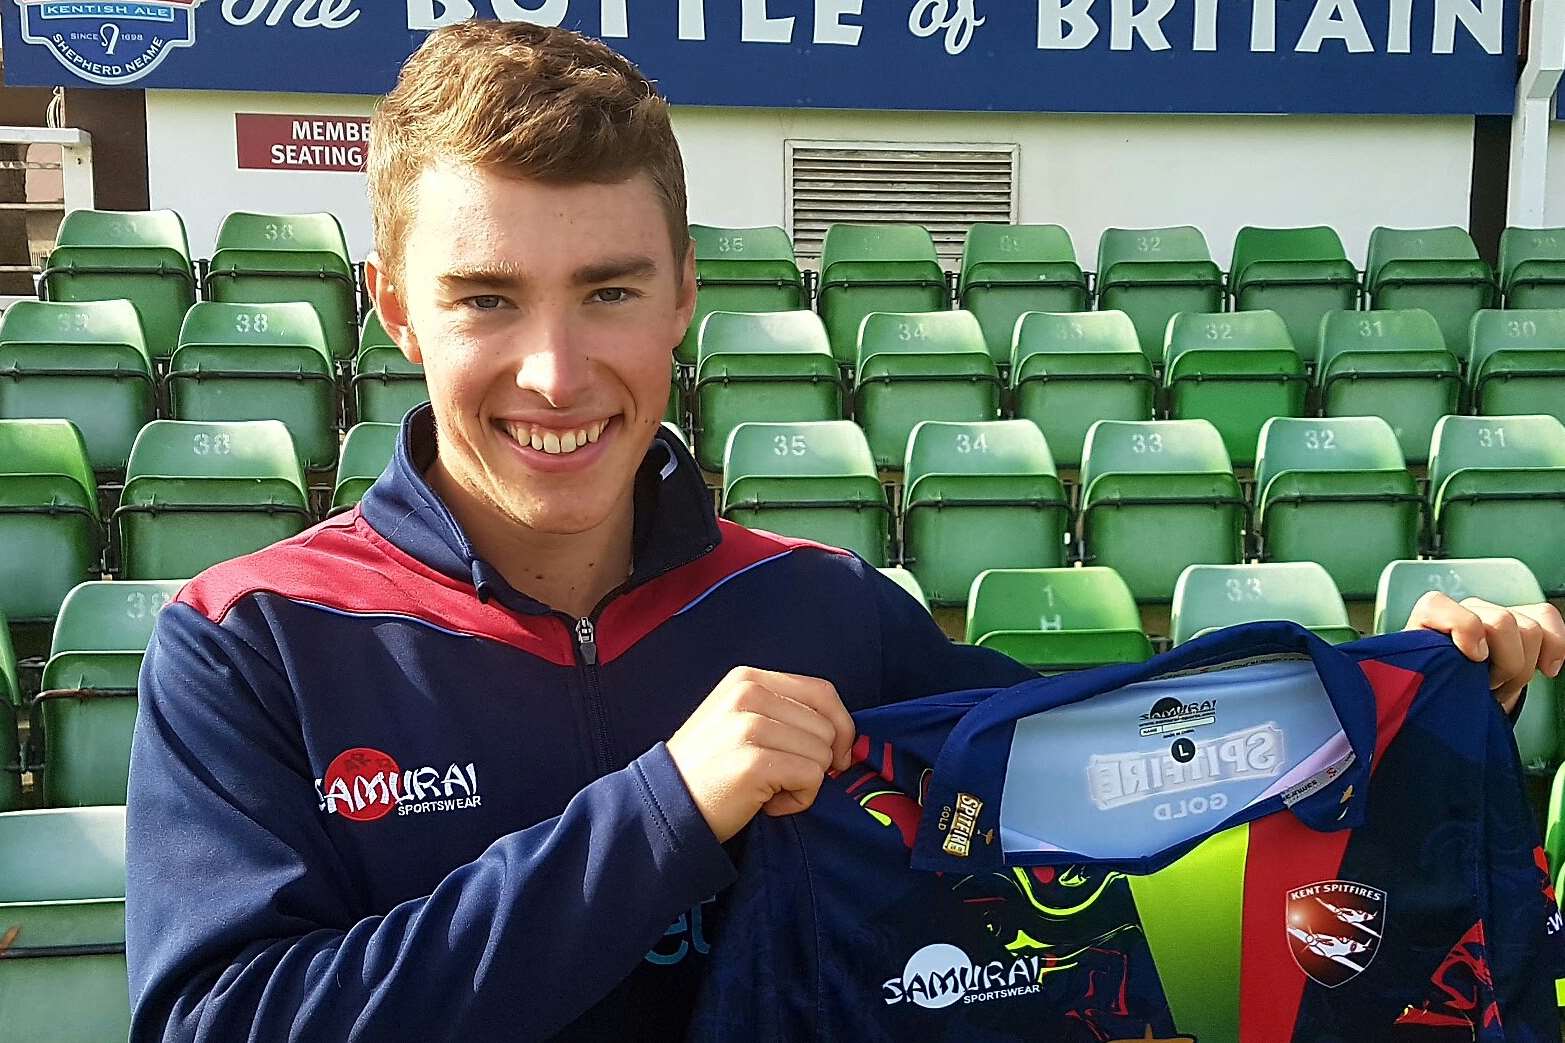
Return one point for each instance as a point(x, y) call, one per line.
point(258, 362)
point(1209, 597)
point(1235, 369)
point(1008, 270)
point(979, 496)
point(1502, 581)
point(1437, 269)
point(741, 270)
point(200, 493)
point(1516, 362)
point(907, 581)
point(1300, 273)
point(1158, 495)
point(1390, 364)
point(51, 534)
point(774, 367)
point(1497, 489)
point(868, 268)
point(143, 257)
point(86, 363)
point(86, 709)
point(1153, 274)
point(385, 384)
point(10, 740)
point(366, 451)
point(1057, 619)
point(62, 908)
point(1319, 479)
point(1532, 267)
point(927, 366)
point(812, 480)
point(1070, 370)
point(279, 258)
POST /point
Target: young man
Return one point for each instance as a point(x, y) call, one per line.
point(460, 764)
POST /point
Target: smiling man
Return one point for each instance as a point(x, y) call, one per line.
point(460, 764)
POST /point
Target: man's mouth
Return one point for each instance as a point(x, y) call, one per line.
point(551, 440)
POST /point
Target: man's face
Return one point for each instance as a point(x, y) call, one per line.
point(545, 317)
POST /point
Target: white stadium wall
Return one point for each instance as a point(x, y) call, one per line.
point(1554, 203)
point(1086, 172)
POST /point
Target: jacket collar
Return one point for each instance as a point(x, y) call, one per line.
point(674, 520)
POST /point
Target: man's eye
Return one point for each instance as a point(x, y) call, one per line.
point(613, 295)
point(485, 302)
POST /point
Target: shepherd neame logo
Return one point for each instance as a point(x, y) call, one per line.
point(1117, 779)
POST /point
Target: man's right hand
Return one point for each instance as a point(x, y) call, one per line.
point(761, 741)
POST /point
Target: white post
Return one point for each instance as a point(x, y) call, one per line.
point(1535, 113)
point(76, 168)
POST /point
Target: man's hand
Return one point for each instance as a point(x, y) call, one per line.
point(1515, 641)
point(761, 741)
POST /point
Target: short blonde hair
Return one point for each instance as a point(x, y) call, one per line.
point(528, 101)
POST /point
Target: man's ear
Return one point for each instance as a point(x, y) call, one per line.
point(391, 305)
point(687, 288)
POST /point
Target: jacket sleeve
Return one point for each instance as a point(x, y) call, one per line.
point(918, 659)
point(241, 920)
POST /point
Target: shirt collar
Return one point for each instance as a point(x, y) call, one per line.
point(674, 518)
point(969, 776)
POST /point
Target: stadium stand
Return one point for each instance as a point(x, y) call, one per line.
point(1069, 370)
point(1209, 597)
point(385, 384)
point(1300, 273)
point(773, 367)
point(907, 581)
point(979, 496)
point(1008, 270)
point(921, 366)
point(1153, 274)
point(869, 268)
point(741, 270)
point(1516, 362)
point(1532, 267)
point(86, 363)
point(1320, 478)
point(366, 450)
point(11, 705)
point(51, 532)
point(1055, 620)
point(1235, 369)
point(86, 709)
point(1436, 269)
point(104, 255)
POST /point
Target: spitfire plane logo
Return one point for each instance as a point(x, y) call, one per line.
point(1334, 929)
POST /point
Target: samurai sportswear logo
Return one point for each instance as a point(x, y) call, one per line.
point(940, 975)
point(363, 785)
point(110, 42)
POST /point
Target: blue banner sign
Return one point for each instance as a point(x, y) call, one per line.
point(1299, 56)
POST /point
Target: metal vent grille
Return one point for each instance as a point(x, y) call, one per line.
point(945, 188)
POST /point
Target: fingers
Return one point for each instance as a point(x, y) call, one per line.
point(818, 696)
point(772, 736)
point(1438, 612)
point(1511, 661)
point(754, 698)
point(1551, 626)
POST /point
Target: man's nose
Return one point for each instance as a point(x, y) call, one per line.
point(552, 365)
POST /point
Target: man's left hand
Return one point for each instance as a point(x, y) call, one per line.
point(1516, 642)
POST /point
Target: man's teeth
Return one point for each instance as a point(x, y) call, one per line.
point(557, 443)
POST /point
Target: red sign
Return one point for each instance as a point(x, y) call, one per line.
point(273, 142)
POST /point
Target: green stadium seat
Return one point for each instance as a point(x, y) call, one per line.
point(200, 493)
point(1501, 581)
point(1320, 478)
point(1516, 362)
point(923, 366)
point(1437, 269)
point(385, 384)
point(10, 740)
point(62, 910)
point(1532, 267)
point(979, 496)
point(1071, 370)
point(1210, 597)
point(868, 268)
point(1299, 273)
point(1153, 274)
point(1011, 269)
point(1497, 489)
point(1236, 369)
point(674, 413)
point(1390, 364)
point(1057, 619)
point(86, 363)
point(1554, 829)
point(366, 451)
point(773, 367)
point(1158, 495)
point(51, 534)
point(279, 258)
point(743, 270)
point(143, 257)
point(86, 709)
point(258, 362)
point(908, 582)
point(813, 480)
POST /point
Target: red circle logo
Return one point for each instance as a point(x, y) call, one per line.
point(361, 784)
